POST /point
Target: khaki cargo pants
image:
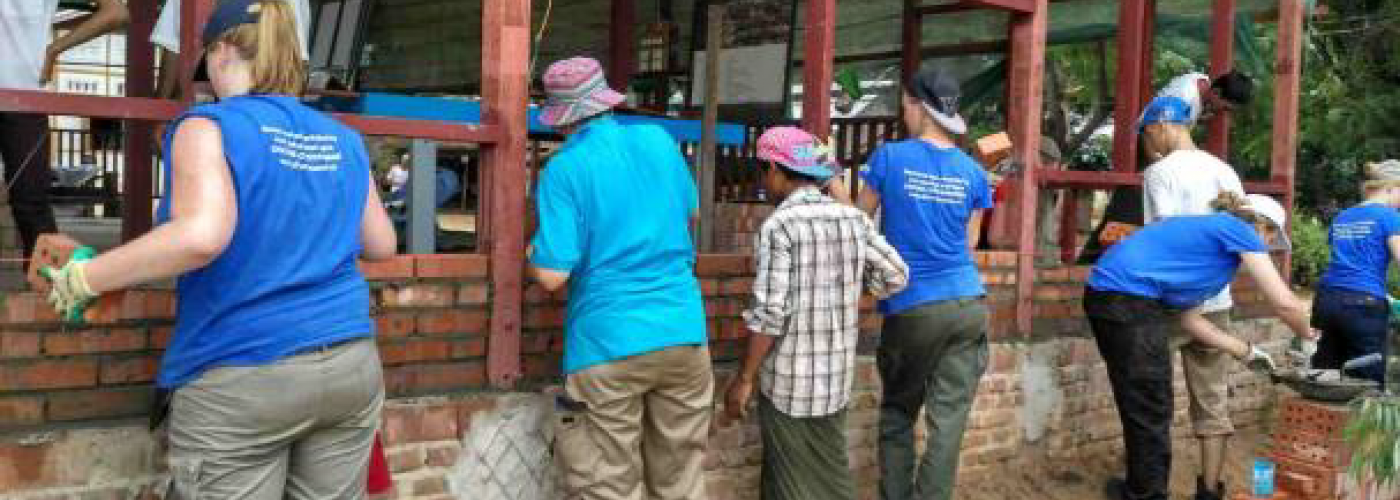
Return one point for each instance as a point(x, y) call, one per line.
point(636, 428)
point(1207, 372)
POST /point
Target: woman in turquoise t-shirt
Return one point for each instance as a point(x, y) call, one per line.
point(1157, 278)
point(1351, 307)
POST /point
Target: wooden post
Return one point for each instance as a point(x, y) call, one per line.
point(138, 184)
point(1287, 85)
point(714, 49)
point(1222, 57)
point(505, 55)
point(622, 44)
point(1147, 56)
point(817, 67)
point(193, 14)
point(1025, 81)
point(911, 48)
point(1126, 102)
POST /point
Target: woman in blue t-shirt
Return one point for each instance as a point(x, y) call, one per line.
point(1156, 279)
point(273, 377)
point(1351, 307)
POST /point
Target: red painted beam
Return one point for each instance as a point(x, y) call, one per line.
point(1079, 179)
point(1015, 6)
point(138, 151)
point(817, 71)
point(1222, 57)
point(505, 84)
point(622, 44)
point(1287, 86)
point(1128, 93)
point(1025, 82)
point(54, 103)
point(422, 129)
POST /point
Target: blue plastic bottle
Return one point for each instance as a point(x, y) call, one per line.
point(1263, 478)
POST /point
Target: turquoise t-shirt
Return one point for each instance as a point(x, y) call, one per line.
point(927, 195)
point(1181, 261)
point(614, 209)
point(1360, 255)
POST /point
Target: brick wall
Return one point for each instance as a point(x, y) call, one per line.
point(72, 401)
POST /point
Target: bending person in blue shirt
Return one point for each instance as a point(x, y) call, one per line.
point(1351, 305)
point(274, 379)
point(1155, 281)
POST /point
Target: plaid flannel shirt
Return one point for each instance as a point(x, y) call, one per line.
point(814, 255)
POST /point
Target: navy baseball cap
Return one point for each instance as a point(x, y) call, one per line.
point(229, 14)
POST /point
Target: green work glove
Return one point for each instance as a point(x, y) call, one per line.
point(70, 293)
point(1259, 361)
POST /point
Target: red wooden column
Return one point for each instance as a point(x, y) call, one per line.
point(1025, 84)
point(505, 56)
point(1222, 57)
point(1132, 14)
point(1287, 85)
point(622, 44)
point(1147, 56)
point(817, 66)
point(137, 179)
point(911, 49)
point(193, 13)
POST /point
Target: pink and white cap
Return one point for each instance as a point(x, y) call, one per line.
point(797, 150)
point(577, 89)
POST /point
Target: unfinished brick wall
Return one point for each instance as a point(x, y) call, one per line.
point(72, 402)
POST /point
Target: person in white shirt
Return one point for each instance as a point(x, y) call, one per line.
point(166, 35)
point(30, 54)
point(1183, 180)
point(1206, 96)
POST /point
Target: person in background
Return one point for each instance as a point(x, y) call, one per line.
point(933, 345)
point(1351, 307)
point(1152, 283)
point(1205, 96)
point(30, 58)
point(273, 377)
point(166, 35)
point(814, 256)
point(614, 207)
point(1185, 180)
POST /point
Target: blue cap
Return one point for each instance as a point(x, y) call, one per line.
point(229, 14)
point(1165, 109)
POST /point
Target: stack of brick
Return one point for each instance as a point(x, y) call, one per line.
point(736, 225)
point(1308, 450)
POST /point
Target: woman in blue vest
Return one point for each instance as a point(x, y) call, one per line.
point(274, 379)
point(1351, 307)
point(1156, 279)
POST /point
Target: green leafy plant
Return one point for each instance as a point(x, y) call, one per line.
point(1373, 435)
point(1310, 250)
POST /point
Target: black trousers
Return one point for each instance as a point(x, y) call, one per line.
point(24, 148)
point(1353, 324)
point(1134, 338)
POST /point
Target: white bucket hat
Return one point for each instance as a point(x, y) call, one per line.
point(1273, 211)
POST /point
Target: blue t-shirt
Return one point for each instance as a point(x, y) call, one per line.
point(614, 209)
point(927, 195)
point(1360, 254)
point(287, 280)
point(1181, 261)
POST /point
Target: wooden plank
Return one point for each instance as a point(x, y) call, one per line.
point(505, 56)
point(1126, 108)
point(193, 14)
point(1025, 82)
point(817, 73)
point(1148, 55)
point(1015, 6)
point(622, 44)
point(714, 50)
point(138, 186)
point(1222, 57)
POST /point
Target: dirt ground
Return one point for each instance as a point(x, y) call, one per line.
point(1084, 479)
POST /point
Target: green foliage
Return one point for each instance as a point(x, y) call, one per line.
point(1310, 250)
point(1373, 435)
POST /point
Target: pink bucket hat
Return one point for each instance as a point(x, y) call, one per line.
point(576, 90)
point(798, 151)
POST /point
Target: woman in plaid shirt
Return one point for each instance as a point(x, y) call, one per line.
point(814, 255)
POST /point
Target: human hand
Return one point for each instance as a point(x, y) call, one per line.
point(1259, 361)
point(70, 293)
point(46, 74)
point(736, 399)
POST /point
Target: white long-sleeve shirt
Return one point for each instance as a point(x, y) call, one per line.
point(1184, 183)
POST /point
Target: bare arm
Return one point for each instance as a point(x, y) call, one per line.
point(1393, 243)
point(885, 272)
point(550, 279)
point(377, 236)
point(974, 229)
point(203, 214)
point(868, 200)
point(110, 16)
point(1205, 332)
point(1286, 305)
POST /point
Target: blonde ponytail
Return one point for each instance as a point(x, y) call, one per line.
point(272, 47)
point(1234, 204)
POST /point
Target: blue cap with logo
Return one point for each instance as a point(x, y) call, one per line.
point(1165, 109)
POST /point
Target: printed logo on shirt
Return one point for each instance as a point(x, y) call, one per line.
point(305, 152)
point(924, 186)
point(1353, 230)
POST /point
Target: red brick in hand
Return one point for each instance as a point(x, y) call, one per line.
point(52, 250)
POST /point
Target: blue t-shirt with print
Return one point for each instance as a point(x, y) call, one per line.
point(1360, 255)
point(927, 194)
point(614, 209)
point(1181, 261)
point(287, 280)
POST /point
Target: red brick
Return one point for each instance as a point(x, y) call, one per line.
point(50, 250)
point(452, 266)
point(470, 348)
point(28, 466)
point(128, 370)
point(452, 321)
point(391, 325)
point(1080, 274)
point(715, 265)
point(410, 351)
point(1000, 259)
point(434, 378)
point(94, 341)
point(48, 374)
point(439, 423)
point(406, 460)
point(21, 411)
point(160, 304)
point(106, 309)
point(132, 305)
point(396, 267)
point(709, 286)
point(444, 455)
point(430, 486)
point(28, 307)
point(20, 344)
point(544, 317)
point(102, 403)
point(738, 286)
point(418, 295)
point(473, 294)
point(160, 337)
